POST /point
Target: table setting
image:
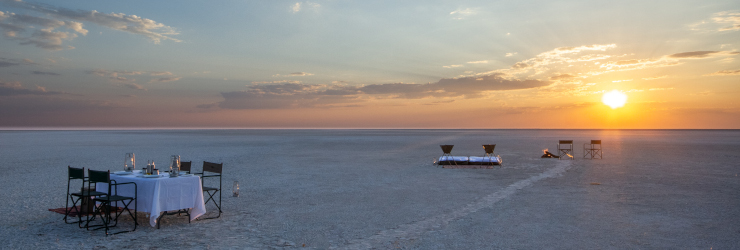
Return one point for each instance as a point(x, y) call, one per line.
point(161, 191)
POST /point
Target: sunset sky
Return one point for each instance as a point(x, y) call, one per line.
point(369, 64)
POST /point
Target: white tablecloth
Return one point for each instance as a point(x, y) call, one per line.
point(156, 195)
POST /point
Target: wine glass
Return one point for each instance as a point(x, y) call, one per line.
point(174, 165)
point(129, 162)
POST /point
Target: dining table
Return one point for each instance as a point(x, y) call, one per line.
point(161, 193)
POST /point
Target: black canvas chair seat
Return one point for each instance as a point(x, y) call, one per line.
point(209, 189)
point(112, 198)
point(88, 193)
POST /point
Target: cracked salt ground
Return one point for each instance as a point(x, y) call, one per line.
point(374, 189)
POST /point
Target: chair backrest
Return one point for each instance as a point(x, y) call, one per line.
point(489, 148)
point(565, 142)
point(446, 148)
point(185, 165)
point(94, 177)
point(595, 141)
point(212, 167)
point(98, 176)
point(76, 173)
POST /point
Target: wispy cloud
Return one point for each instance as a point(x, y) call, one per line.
point(165, 79)
point(463, 13)
point(703, 54)
point(668, 60)
point(49, 39)
point(109, 73)
point(160, 73)
point(132, 85)
point(121, 76)
point(725, 73)
point(295, 95)
point(510, 54)
point(654, 78)
point(42, 30)
point(452, 66)
point(35, 72)
point(727, 18)
point(478, 62)
point(15, 89)
point(302, 6)
point(294, 74)
point(276, 82)
point(9, 62)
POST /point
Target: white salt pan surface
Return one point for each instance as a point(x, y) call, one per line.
point(356, 189)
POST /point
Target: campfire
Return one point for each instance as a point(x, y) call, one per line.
point(547, 154)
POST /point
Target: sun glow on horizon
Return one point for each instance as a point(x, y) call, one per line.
point(614, 99)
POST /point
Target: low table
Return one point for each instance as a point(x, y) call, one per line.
point(157, 195)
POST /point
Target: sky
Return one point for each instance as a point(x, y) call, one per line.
point(369, 64)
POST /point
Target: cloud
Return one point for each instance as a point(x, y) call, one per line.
point(703, 54)
point(654, 78)
point(118, 76)
point(275, 82)
point(562, 77)
point(452, 66)
point(300, 74)
point(727, 18)
point(296, 95)
point(132, 85)
point(725, 73)
point(15, 89)
point(510, 54)
point(478, 62)
point(43, 33)
point(295, 74)
point(541, 63)
point(102, 72)
point(460, 14)
point(165, 79)
point(664, 61)
point(120, 79)
point(8, 62)
point(35, 72)
point(297, 7)
point(160, 73)
point(154, 31)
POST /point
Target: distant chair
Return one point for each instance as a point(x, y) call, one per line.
point(565, 148)
point(446, 154)
point(489, 153)
point(592, 149)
